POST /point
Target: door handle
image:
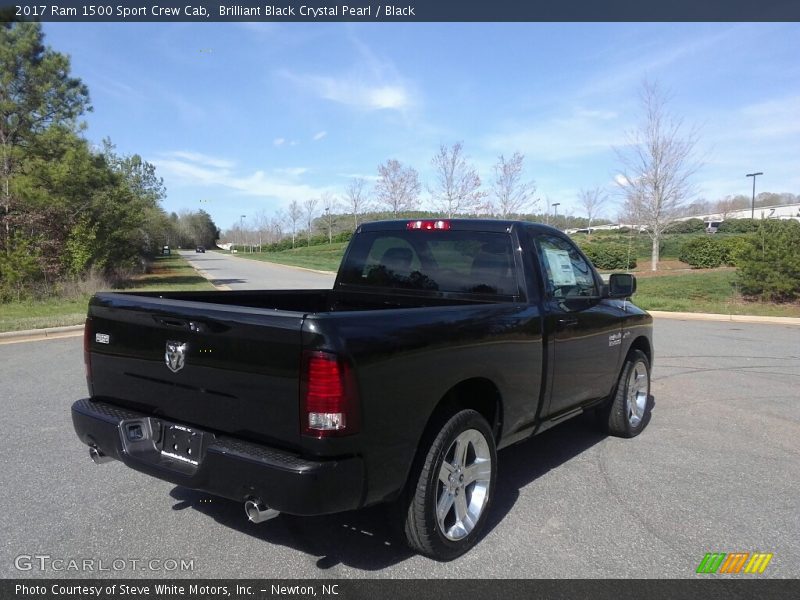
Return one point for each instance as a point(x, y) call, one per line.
point(174, 323)
point(565, 322)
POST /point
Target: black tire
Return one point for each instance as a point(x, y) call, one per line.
point(418, 515)
point(627, 411)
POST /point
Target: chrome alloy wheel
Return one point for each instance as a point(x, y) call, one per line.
point(464, 478)
point(638, 390)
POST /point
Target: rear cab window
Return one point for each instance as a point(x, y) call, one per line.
point(437, 262)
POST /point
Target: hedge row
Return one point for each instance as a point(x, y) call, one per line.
point(609, 256)
point(709, 252)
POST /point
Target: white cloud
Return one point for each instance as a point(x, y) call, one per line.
point(278, 141)
point(371, 83)
point(319, 135)
point(651, 57)
point(292, 171)
point(576, 134)
point(197, 169)
point(354, 92)
point(620, 179)
point(777, 117)
point(371, 177)
point(202, 159)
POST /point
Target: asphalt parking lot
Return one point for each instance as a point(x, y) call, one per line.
point(718, 469)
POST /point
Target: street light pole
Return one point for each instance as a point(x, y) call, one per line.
point(555, 206)
point(330, 225)
point(753, 202)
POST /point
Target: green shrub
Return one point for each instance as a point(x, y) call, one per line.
point(344, 236)
point(769, 263)
point(738, 226)
point(687, 226)
point(671, 246)
point(608, 256)
point(704, 252)
point(733, 246)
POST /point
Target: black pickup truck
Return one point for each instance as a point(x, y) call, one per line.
point(440, 342)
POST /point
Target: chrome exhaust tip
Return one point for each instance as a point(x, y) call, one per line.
point(258, 512)
point(98, 457)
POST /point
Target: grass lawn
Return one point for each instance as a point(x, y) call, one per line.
point(53, 312)
point(686, 291)
point(170, 273)
point(703, 291)
point(325, 257)
point(673, 288)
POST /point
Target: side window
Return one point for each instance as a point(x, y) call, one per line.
point(569, 275)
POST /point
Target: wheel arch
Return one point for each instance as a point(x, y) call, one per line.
point(477, 393)
point(643, 344)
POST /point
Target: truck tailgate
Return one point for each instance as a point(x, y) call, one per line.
point(228, 369)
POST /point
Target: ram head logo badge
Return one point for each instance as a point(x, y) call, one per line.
point(175, 356)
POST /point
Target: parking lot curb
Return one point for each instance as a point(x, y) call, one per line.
point(684, 316)
point(30, 335)
point(320, 271)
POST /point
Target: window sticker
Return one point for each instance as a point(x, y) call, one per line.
point(560, 267)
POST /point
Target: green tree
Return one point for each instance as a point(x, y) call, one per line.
point(769, 262)
point(18, 267)
point(36, 93)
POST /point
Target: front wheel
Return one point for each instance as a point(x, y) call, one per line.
point(448, 502)
point(626, 413)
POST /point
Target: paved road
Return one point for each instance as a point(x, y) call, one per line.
point(246, 274)
point(718, 469)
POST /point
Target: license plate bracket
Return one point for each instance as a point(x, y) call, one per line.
point(181, 443)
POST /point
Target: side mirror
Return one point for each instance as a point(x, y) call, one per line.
point(621, 285)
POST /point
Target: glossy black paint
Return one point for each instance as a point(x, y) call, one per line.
point(528, 360)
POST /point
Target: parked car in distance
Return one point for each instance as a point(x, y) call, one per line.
point(440, 342)
point(200, 249)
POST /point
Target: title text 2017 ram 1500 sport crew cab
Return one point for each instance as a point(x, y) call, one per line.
point(440, 342)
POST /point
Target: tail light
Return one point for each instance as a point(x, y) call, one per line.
point(328, 401)
point(87, 354)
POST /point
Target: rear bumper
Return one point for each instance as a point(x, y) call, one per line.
point(228, 467)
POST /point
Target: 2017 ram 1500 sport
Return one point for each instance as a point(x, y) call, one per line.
point(440, 342)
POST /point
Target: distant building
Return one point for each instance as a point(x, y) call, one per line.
point(609, 227)
point(782, 211)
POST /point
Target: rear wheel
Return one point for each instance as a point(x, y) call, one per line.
point(448, 501)
point(626, 413)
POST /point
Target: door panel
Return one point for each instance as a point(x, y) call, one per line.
point(585, 330)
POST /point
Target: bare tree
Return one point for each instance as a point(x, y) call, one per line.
point(276, 226)
point(356, 198)
point(592, 201)
point(310, 210)
point(698, 207)
point(457, 187)
point(727, 205)
point(657, 167)
point(398, 186)
point(513, 194)
point(261, 221)
point(293, 215)
point(329, 205)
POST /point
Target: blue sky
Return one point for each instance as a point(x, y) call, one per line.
point(245, 117)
